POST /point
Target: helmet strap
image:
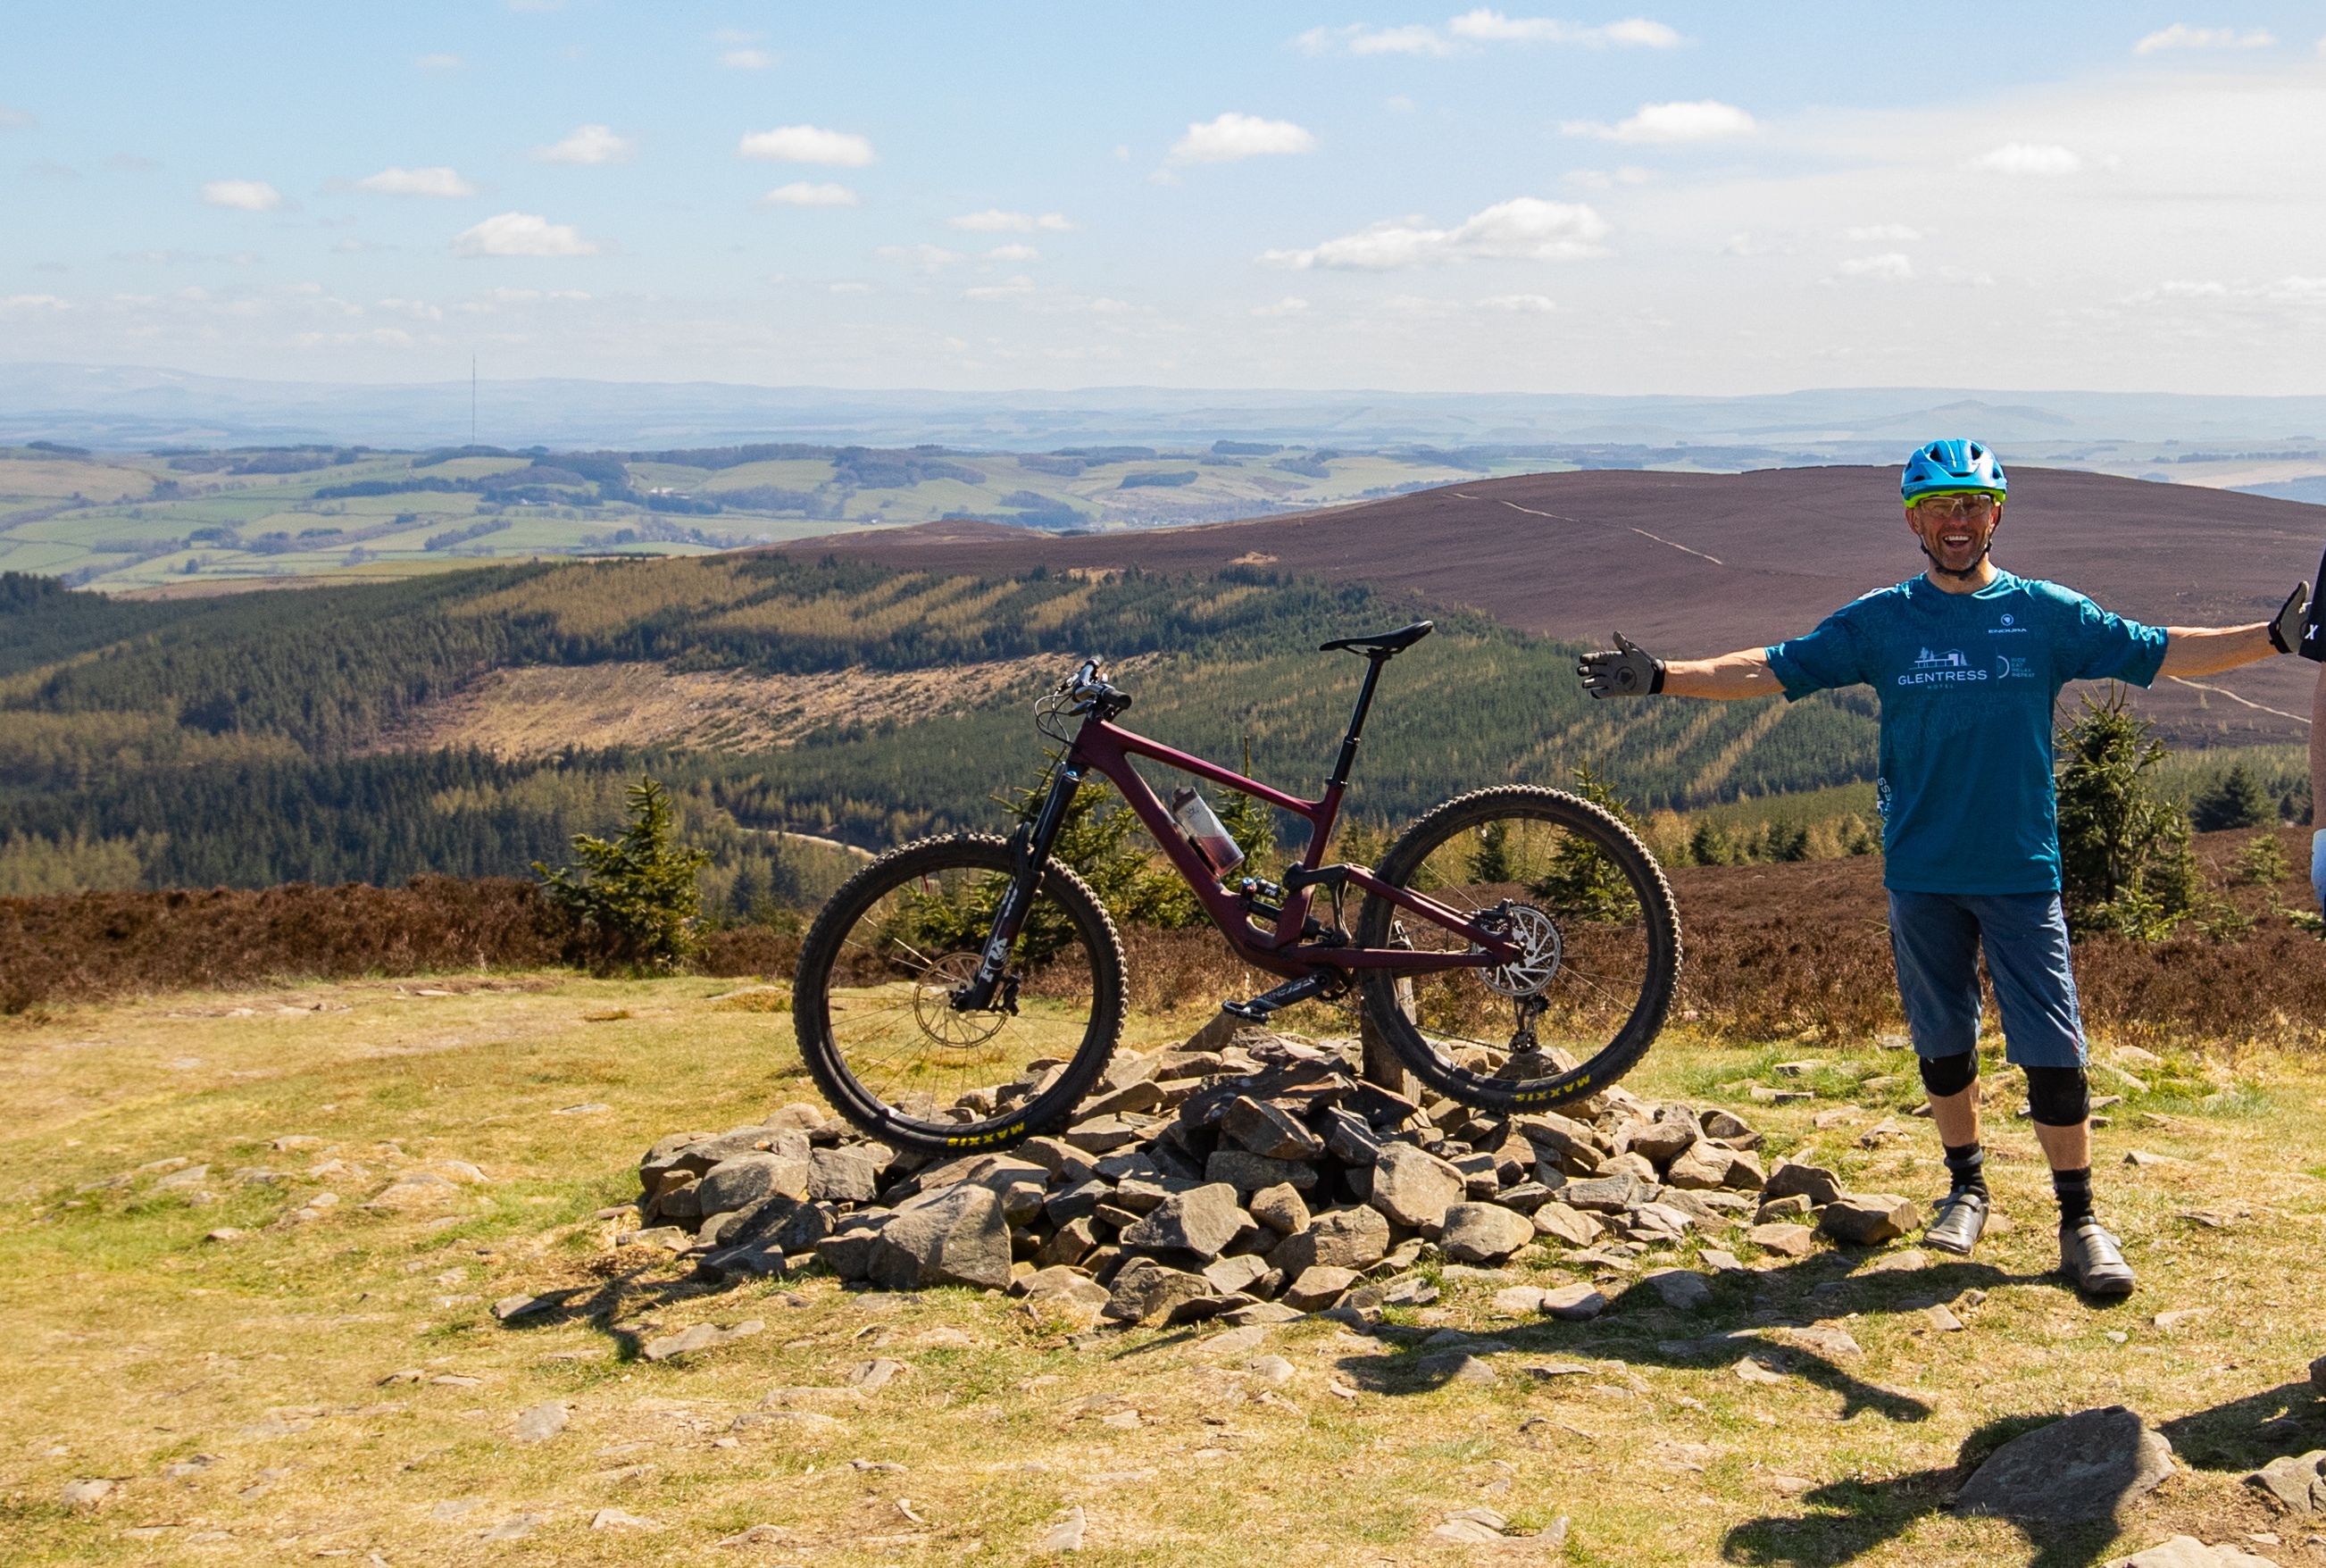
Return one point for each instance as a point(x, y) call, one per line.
point(1968, 573)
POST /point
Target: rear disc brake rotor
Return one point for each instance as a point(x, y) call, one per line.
point(1536, 936)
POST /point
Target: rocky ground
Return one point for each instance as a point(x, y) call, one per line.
point(1245, 1308)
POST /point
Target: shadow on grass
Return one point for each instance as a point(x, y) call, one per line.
point(2244, 1434)
point(1845, 1520)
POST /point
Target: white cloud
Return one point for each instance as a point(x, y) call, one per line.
point(523, 234)
point(1359, 39)
point(2028, 158)
point(1703, 120)
point(746, 59)
point(2180, 36)
point(430, 181)
point(1522, 303)
point(14, 305)
point(926, 258)
point(994, 220)
point(246, 195)
point(800, 193)
point(1525, 229)
point(808, 144)
point(1014, 288)
point(1892, 266)
point(440, 62)
point(1013, 253)
point(1234, 136)
point(1289, 305)
point(1896, 233)
point(1493, 26)
point(589, 145)
point(1605, 179)
point(16, 120)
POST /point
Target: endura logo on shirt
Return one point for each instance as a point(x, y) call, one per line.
point(1932, 669)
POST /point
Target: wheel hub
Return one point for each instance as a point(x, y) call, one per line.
point(1536, 936)
point(933, 1009)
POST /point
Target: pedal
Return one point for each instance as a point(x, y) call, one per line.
point(1260, 1008)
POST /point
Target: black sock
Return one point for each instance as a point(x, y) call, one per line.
point(2074, 1189)
point(1967, 1166)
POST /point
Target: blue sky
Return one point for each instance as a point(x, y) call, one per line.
point(1687, 198)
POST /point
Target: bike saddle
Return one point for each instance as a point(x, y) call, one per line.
point(1383, 644)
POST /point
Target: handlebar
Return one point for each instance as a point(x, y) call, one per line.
point(1088, 690)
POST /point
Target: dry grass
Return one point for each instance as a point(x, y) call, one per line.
point(132, 1346)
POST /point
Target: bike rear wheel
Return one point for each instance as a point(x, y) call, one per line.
point(1592, 913)
point(872, 1002)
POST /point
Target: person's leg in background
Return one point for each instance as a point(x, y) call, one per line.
point(2025, 938)
point(1935, 942)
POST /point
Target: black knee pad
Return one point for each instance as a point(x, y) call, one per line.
point(2058, 1096)
point(1950, 1074)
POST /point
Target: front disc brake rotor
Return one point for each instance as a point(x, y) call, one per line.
point(932, 1005)
point(1536, 937)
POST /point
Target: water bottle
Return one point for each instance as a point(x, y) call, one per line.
point(1206, 831)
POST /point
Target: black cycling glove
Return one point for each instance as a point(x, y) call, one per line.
point(2285, 631)
point(1625, 670)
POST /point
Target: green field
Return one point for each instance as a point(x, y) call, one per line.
point(124, 522)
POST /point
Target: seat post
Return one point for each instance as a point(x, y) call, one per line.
point(1348, 757)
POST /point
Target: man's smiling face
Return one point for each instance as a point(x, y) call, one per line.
point(1955, 530)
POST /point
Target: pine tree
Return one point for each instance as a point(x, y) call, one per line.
point(634, 899)
point(2124, 862)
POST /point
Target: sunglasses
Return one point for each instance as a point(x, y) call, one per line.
point(1973, 506)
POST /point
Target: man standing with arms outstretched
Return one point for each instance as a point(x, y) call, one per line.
point(2314, 648)
point(1968, 661)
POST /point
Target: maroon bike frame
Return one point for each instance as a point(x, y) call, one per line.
point(1106, 748)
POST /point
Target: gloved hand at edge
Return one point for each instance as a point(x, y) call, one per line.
point(1625, 670)
point(2285, 626)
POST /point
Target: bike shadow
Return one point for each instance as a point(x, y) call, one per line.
point(2245, 1433)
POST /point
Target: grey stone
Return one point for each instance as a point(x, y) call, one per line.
point(1700, 1168)
point(1816, 1184)
point(1078, 1201)
point(1566, 1223)
point(2188, 1552)
point(1663, 1142)
point(1318, 1288)
point(2086, 1467)
point(1868, 1218)
point(1456, 1367)
point(1147, 1290)
point(86, 1493)
point(1249, 1172)
point(1484, 1232)
point(1204, 1222)
point(1066, 1534)
point(1568, 1144)
point(753, 1258)
point(785, 1224)
point(1146, 1094)
point(1726, 1126)
point(1414, 1187)
point(1260, 1314)
point(1232, 1276)
point(2295, 1482)
point(958, 1238)
point(1602, 1194)
point(1744, 1173)
point(1337, 1238)
point(1280, 1209)
point(1102, 1135)
point(1784, 1240)
point(539, 1423)
point(1075, 1241)
point(1350, 1138)
point(843, 1176)
point(700, 1337)
point(1519, 1301)
point(746, 1181)
point(1526, 1197)
point(1268, 1131)
point(1790, 1209)
point(1682, 1289)
point(1021, 1203)
point(1576, 1304)
point(1720, 1261)
point(875, 1375)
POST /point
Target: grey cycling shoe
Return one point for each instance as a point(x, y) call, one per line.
point(1958, 1220)
point(2092, 1261)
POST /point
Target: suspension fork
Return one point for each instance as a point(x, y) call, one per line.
point(1029, 850)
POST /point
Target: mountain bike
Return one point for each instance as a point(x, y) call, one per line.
point(1516, 947)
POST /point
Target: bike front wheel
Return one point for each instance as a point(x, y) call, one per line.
point(1600, 950)
point(873, 1000)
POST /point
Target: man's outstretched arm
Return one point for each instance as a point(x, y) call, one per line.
point(1629, 670)
point(2210, 650)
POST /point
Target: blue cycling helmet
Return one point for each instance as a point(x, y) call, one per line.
point(1952, 467)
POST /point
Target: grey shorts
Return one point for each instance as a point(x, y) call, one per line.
point(1937, 939)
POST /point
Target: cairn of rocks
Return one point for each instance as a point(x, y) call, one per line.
point(1245, 1175)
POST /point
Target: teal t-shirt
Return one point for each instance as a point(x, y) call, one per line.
point(1967, 683)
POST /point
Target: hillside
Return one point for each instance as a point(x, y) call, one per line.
point(1691, 565)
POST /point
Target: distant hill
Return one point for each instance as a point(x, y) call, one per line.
point(1692, 564)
